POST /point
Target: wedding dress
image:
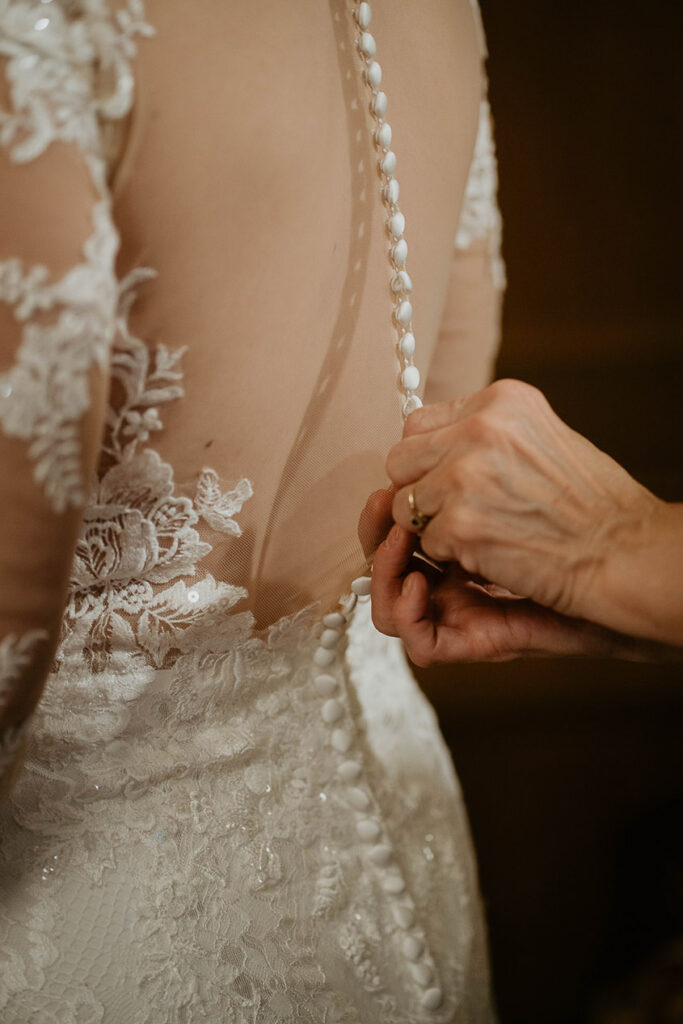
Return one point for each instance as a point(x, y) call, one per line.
point(235, 805)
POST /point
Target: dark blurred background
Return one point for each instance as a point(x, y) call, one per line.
point(573, 771)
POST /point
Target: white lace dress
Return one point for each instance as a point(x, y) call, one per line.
point(235, 804)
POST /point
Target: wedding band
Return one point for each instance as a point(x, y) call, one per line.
point(418, 519)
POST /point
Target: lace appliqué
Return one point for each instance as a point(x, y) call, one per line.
point(480, 216)
point(45, 394)
point(16, 654)
point(52, 52)
point(130, 598)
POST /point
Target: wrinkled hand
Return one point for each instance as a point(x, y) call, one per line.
point(515, 495)
point(449, 616)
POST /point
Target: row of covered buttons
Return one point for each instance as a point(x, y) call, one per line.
point(368, 827)
point(401, 283)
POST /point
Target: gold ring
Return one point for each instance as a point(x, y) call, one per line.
point(418, 519)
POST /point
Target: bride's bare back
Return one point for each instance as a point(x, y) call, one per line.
point(249, 183)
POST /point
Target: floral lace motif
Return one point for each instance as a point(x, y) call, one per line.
point(132, 595)
point(480, 216)
point(45, 394)
point(51, 52)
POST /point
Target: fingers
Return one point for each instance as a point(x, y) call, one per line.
point(412, 457)
point(434, 417)
point(412, 622)
point(437, 497)
point(392, 560)
point(375, 520)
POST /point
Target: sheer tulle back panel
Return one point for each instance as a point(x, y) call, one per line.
point(263, 224)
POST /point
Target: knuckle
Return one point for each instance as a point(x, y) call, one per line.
point(518, 392)
point(508, 387)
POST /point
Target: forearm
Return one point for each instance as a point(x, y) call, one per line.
point(638, 587)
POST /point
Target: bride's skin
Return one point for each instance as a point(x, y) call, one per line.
point(518, 498)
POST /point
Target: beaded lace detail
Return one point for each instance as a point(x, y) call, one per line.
point(132, 594)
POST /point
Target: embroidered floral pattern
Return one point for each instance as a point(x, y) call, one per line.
point(132, 593)
point(51, 55)
point(44, 395)
point(51, 52)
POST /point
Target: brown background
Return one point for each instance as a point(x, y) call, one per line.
point(573, 771)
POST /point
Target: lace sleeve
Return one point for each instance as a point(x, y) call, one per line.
point(64, 70)
point(469, 335)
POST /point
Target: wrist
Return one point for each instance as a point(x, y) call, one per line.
point(635, 586)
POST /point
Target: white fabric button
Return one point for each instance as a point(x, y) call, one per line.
point(397, 224)
point(362, 586)
point(349, 771)
point(368, 44)
point(379, 104)
point(381, 854)
point(358, 798)
point(422, 973)
point(335, 620)
point(410, 378)
point(332, 711)
point(432, 999)
point(407, 345)
point(330, 638)
point(391, 191)
point(364, 15)
point(399, 253)
point(404, 917)
point(383, 135)
point(374, 74)
point(393, 884)
point(389, 162)
point(404, 313)
point(323, 658)
point(368, 830)
point(325, 685)
point(411, 404)
point(412, 947)
point(401, 282)
point(341, 740)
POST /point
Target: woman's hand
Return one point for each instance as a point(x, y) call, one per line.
point(448, 616)
point(516, 496)
point(542, 539)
